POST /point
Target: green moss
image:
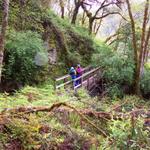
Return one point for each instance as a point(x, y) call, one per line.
point(74, 39)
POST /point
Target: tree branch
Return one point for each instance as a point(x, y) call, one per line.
point(111, 13)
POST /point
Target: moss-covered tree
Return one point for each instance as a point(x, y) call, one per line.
point(139, 51)
point(5, 9)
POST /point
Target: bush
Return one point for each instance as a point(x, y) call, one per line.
point(25, 58)
point(145, 82)
point(117, 68)
point(126, 136)
point(74, 58)
point(115, 91)
point(27, 133)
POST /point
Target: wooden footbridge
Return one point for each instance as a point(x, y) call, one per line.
point(88, 80)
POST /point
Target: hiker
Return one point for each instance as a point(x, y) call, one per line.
point(72, 73)
point(79, 73)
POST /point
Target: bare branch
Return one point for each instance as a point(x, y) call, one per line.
point(111, 13)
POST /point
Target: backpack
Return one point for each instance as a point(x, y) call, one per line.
point(72, 72)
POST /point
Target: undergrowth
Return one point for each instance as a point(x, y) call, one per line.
point(64, 129)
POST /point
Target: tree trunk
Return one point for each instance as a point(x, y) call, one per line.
point(139, 59)
point(62, 9)
point(62, 12)
point(21, 5)
point(5, 8)
point(146, 50)
point(136, 80)
point(143, 39)
point(75, 13)
point(91, 20)
point(98, 27)
point(83, 18)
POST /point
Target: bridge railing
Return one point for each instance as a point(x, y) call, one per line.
point(66, 79)
point(88, 75)
point(88, 79)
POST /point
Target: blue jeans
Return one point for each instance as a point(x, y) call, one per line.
point(78, 81)
point(74, 82)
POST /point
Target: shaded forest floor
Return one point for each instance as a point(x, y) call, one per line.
point(41, 118)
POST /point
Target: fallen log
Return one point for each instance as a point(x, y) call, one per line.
point(27, 110)
point(88, 112)
point(81, 113)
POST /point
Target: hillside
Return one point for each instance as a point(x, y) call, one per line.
point(103, 102)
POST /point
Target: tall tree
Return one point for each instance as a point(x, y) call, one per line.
point(139, 52)
point(62, 6)
point(5, 9)
point(76, 10)
point(101, 12)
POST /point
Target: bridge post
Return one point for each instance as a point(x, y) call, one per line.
point(55, 84)
point(88, 83)
point(82, 80)
point(65, 80)
point(73, 84)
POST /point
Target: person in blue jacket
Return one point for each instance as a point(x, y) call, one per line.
point(72, 73)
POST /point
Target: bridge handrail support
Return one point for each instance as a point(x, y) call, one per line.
point(81, 77)
point(92, 73)
point(68, 76)
point(65, 77)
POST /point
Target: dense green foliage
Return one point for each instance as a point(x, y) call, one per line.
point(68, 40)
point(75, 41)
point(72, 43)
point(117, 68)
point(22, 60)
point(28, 41)
point(125, 136)
point(145, 82)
